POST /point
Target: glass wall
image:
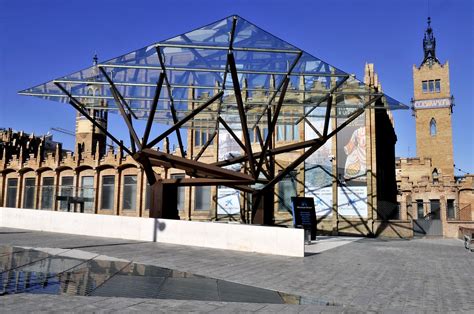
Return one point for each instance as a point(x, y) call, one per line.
point(419, 209)
point(202, 198)
point(450, 209)
point(107, 196)
point(47, 193)
point(435, 209)
point(87, 188)
point(129, 200)
point(67, 190)
point(29, 193)
point(12, 189)
point(286, 189)
point(181, 191)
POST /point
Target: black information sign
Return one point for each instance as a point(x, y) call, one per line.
point(304, 215)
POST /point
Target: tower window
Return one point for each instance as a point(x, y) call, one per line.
point(431, 86)
point(425, 86)
point(435, 175)
point(437, 86)
point(433, 127)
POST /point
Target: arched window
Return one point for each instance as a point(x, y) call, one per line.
point(435, 175)
point(433, 127)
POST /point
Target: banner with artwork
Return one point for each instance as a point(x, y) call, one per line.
point(228, 199)
point(352, 201)
point(318, 167)
point(352, 168)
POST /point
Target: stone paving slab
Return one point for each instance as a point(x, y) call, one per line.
point(427, 275)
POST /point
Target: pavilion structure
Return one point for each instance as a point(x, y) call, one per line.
point(216, 64)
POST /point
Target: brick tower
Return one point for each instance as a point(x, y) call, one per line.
point(89, 139)
point(432, 106)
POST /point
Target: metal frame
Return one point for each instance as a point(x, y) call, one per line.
point(245, 109)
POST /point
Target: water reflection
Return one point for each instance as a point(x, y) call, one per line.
point(75, 272)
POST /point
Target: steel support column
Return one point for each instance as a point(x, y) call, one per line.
point(154, 104)
point(243, 117)
point(170, 96)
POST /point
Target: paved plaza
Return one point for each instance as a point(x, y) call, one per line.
point(338, 275)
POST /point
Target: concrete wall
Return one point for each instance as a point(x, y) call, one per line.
point(247, 238)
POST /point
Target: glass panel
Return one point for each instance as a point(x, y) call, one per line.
point(216, 34)
point(280, 132)
point(437, 86)
point(29, 193)
point(296, 134)
point(47, 193)
point(12, 186)
point(450, 209)
point(431, 85)
point(129, 192)
point(87, 189)
point(252, 136)
point(66, 191)
point(286, 189)
point(181, 191)
point(425, 86)
point(203, 137)
point(433, 127)
point(419, 209)
point(202, 198)
point(198, 58)
point(289, 134)
point(197, 138)
point(107, 193)
point(435, 209)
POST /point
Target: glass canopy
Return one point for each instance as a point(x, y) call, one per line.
point(196, 68)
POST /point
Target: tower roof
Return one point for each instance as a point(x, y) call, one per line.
point(429, 45)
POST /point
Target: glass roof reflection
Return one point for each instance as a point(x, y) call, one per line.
point(196, 68)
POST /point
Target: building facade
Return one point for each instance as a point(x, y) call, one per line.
point(351, 178)
point(430, 194)
point(357, 185)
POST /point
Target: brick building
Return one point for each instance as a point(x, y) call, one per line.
point(96, 179)
point(351, 177)
point(429, 193)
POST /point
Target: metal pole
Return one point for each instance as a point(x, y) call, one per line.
point(170, 95)
point(240, 107)
point(154, 104)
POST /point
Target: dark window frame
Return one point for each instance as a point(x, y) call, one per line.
point(29, 193)
point(11, 202)
point(47, 193)
point(105, 186)
point(200, 202)
point(129, 193)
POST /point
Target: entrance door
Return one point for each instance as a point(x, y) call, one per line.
point(430, 224)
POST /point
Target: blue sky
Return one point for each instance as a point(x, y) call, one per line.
point(42, 40)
